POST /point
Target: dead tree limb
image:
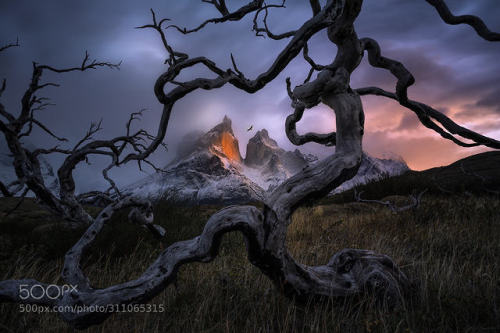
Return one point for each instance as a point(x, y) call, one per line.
point(348, 273)
point(415, 200)
point(475, 22)
point(429, 116)
point(5, 191)
point(6, 46)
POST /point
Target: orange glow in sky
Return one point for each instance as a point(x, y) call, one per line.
point(392, 131)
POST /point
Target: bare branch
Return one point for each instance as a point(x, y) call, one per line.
point(106, 176)
point(315, 6)
point(426, 114)
point(226, 16)
point(296, 139)
point(220, 5)
point(93, 129)
point(349, 272)
point(48, 131)
point(2, 88)
point(95, 197)
point(72, 272)
point(240, 74)
point(305, 52)
point(174, 56)
point(307, 79)
point(5, 192)
point(56, 149)
point(259, 31)
point(5, 114)
point(474, 21)
point(19, 185)
point(405, 78)
point(133, 116)
point(86, 65)
point(27, 164)
point(5, 47)
point(415, 202)
point(204, 248)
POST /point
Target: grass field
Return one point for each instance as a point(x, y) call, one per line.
point(449, 247)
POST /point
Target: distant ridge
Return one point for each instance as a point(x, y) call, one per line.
point(480, 170)
point(477, 174)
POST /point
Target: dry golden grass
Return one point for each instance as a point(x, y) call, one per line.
point(449, 246)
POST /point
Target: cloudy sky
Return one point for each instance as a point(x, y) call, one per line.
point(456, 72)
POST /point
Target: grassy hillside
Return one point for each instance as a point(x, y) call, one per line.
point(449, 247)
point(475, 175)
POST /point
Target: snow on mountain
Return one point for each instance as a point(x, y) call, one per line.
point(268, 165)
point(373, 169)
point(209, 168)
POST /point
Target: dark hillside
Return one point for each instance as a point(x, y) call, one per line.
point(477, 174)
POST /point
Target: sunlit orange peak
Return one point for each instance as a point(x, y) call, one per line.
point(230, 147)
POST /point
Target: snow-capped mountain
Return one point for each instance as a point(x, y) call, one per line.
point(267, 165)
point(373, 169)
point(209, 168)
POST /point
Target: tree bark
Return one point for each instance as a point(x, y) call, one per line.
point(349, 272)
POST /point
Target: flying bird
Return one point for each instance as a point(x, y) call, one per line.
point(250, 128)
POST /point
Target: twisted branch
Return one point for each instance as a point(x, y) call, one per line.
point(348, 272)
point(428, 115)
point(5, 191)
point(315, 6)
point(475, 22)
point(405, 78)
point(341, 277)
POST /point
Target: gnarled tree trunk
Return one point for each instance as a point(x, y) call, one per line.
point(348, 272)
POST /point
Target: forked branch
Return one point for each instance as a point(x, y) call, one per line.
point(349, 272)
point(226, 15)
point(429, 116)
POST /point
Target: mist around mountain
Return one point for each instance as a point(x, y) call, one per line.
point(209, 169)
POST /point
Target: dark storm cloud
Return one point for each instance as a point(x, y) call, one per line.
point(452, 65)
point(491, 100)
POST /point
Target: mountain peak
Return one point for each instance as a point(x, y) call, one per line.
point(261, 148)
point(209, 168)
point(262, 138)
point(220, 140)
point(224, 126)
point(262, 133)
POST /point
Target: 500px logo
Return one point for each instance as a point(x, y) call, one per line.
point(38, 291)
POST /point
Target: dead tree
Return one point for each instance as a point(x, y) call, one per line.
point(349, 272)
point(414, 201)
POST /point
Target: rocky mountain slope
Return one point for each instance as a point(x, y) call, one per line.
point(209, 168)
